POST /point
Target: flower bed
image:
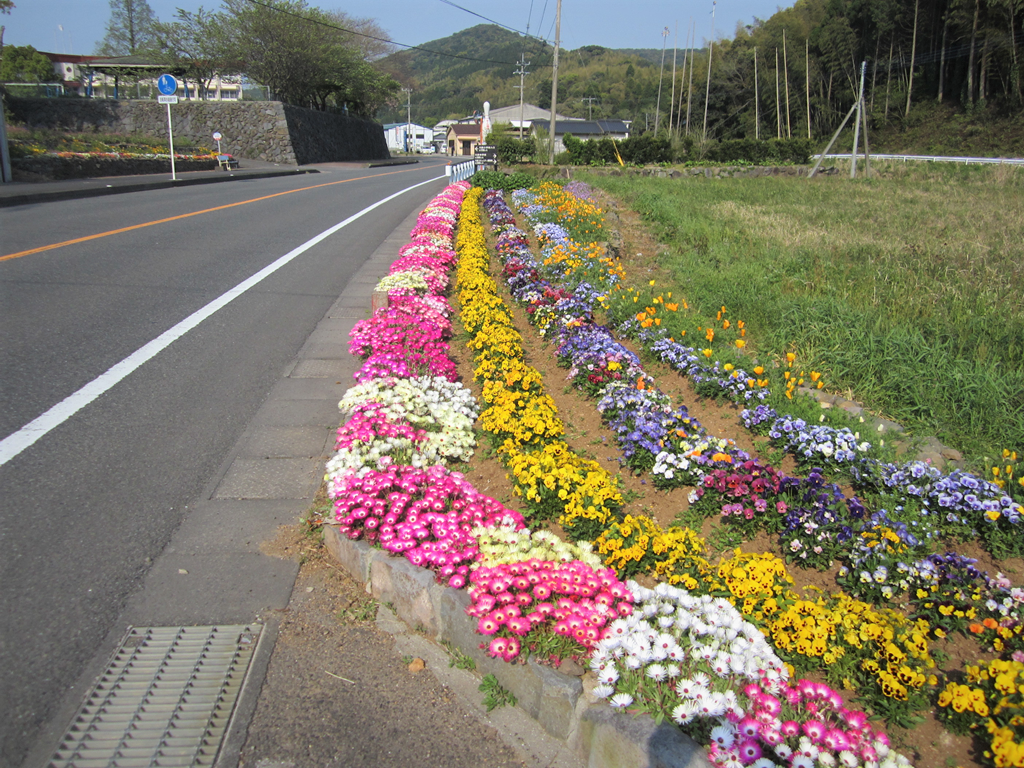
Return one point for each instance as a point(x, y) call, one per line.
point(896, 680)
point(533, 596)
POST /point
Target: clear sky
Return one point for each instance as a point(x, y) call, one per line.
point(611, 23)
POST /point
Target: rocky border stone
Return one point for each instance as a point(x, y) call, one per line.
point(560, 701)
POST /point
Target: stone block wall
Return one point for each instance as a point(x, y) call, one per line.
point(253, 130)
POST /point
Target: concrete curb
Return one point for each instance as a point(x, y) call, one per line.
point(561, 704)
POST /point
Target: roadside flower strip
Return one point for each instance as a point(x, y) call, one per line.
point(385, 480)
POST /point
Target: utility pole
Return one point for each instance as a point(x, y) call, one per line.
point(807, 82)
point(523, 64)
point(757, 103)
point(554, 83)
point(862, 117)
point(857, 122)
point(590, 105)
point(689, 87)
point(672, 101)
point(661, 76)
point(408, 116)
point(785, 64)
point(711, 50)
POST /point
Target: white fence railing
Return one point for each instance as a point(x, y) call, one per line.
point(460, 171)
point(933, 159)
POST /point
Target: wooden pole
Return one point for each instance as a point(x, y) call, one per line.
point(672, 99)
point(711, 50)
point(807, 82)
point(857, 121)
point(913, 53)
point(835, 136)
point(778, 101)
point(757, 104)
point(785, 66)
point(554, 84)
point(689, 89)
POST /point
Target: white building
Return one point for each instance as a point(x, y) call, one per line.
point(408, 137)
point(90, 76)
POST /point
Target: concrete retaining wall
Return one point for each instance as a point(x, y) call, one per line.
point(559, 702)
point(254, 130)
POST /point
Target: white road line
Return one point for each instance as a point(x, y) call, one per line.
point(18, 441)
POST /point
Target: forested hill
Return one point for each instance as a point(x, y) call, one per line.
point(481, 64)
point(793, 74)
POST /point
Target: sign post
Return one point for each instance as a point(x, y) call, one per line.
point(217, 137)
point(168, 88)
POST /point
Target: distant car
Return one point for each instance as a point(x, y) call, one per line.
point(427, 150)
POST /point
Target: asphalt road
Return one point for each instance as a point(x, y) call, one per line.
point(86, 509)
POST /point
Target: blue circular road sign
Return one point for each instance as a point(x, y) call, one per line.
point(167, 85)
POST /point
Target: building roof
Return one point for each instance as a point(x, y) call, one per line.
point(465, 130)
point(530, 112)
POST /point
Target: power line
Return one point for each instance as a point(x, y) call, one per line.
point(379, 39)
point(498, 23)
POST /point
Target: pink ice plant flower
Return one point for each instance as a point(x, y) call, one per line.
point(803, 720)
point(426, 515)
point(569, 599)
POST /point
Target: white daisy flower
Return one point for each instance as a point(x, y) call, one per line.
point(621, 700)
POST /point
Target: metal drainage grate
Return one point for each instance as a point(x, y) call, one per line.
point(165, 700)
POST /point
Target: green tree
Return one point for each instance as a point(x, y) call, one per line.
point(24, 64)
point(306, 56)
point(198, 43)
point(130, 30)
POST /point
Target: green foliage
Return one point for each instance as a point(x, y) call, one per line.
point(362, 611)
point(299, 52)
point(494, 695)
point(636, 150)
point(770, 152)
point(508, 182)
point(457, 658)
point(24, 64)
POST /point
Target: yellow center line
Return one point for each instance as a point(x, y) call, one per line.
point(87, 238)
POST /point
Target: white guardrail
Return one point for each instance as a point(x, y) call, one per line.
point(932, 159)
point(460, 171)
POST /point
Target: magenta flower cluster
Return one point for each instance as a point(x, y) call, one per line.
point(426, 515)
point(570, 599)
point(369, 423)
point(806, 724)
point(408, 337)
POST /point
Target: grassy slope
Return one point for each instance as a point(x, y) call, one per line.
point(906, 289)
